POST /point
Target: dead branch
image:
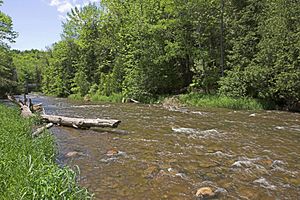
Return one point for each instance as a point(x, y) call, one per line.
point(40, 130)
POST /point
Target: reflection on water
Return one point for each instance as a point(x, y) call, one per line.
point(163, 154)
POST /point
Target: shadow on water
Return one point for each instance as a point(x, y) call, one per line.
point(162, 154)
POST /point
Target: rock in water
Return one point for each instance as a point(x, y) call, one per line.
point(205, 192)
point(112, 152)
point(73, 154)
point(87, 98)
point(151, 171)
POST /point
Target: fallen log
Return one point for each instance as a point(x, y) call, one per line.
point(129, 100)
point(61, 120)
point(80, 122)
point(40, 130)
point(37, 107)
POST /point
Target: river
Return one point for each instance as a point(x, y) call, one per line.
point(169, 154)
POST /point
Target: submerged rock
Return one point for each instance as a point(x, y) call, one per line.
point(157, 172)
point(205, 192)
point(112, 152)
point(151, 171)
point(73, 154)
point(264, 183)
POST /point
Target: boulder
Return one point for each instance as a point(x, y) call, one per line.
point(87, 98)
point(205, 192)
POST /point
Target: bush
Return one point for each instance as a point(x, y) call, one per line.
point(75, 97)
point(233, 84)
point(114, 98)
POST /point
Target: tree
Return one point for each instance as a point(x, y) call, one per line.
point(58, 76)
point(7, 69)
point(6, 28)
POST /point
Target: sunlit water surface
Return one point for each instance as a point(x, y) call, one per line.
point(166, 154)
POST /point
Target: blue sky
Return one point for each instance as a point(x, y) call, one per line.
point(38, 22)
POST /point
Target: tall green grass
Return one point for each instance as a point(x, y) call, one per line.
point(27, 166)
point(113, 98)
point(202, 100)
point(76, 97)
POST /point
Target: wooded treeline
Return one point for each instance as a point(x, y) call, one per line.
point(146, 48)
point(8, 79)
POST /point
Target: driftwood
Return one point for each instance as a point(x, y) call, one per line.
point(80, 122)
point(25, 109)
point(40, 130)
point(129, 100)
point(61, 120)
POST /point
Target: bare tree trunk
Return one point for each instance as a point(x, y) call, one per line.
point(222, 38)
point(80, 122)
point(25, 110)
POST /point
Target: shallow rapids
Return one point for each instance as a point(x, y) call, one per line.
point(169, 154)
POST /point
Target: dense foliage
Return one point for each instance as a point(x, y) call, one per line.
point(142, 49)
point(264, 61)
point(29, 66)
point(7, 70)
point(147, 48)
point(27, 168)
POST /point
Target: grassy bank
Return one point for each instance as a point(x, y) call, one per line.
point(215, 101)
point(27, 167)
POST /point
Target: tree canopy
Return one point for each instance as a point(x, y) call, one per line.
point(143, 49)
point(7, 69)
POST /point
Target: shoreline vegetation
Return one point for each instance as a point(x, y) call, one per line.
point(217, 101)
point(190, 99)
point(28, 169)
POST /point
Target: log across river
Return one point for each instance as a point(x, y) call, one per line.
point(161, 154)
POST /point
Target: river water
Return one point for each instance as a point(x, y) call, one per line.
point(169, 154)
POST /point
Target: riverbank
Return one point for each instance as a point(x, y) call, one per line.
point(28, 169)
point(216, 101)
point(191, 99)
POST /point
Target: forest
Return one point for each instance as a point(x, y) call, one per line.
point(146, 49)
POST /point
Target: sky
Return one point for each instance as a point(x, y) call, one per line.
point(38, 22)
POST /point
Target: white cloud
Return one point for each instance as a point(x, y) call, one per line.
point(55, 2)
point(64, 6)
